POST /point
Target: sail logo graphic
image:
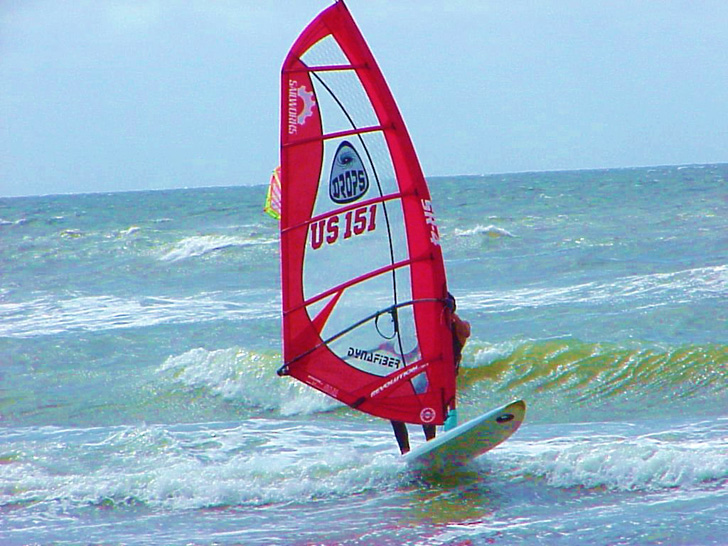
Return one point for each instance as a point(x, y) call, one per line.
point(400, 376)
point(348, 181)
point(428, 415)
point(430, 219)
point(353, 222)
point(298, 115)
point(374, 358)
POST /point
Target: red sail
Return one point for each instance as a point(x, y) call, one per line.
point(364, 289)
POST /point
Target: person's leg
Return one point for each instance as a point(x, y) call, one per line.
point(400, 432)
point(430, 431)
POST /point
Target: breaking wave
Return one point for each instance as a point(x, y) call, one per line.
point(193, 467)
point(264, 462)
point(561, 380)
point(486, 231)
point(201, 245)
point(684, 457)
point(569, 380)
point(244, 377)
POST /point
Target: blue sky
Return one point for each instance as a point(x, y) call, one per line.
point(115, 95)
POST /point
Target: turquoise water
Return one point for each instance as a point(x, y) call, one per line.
point(140, 334)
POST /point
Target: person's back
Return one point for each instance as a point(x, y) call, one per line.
point(460, 335)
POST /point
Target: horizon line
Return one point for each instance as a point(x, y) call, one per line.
point(430, 177)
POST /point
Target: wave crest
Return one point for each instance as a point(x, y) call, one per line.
point(488, 231)
point(247, 378)
point(201, 245)
point(642, 463)
point(568, 378)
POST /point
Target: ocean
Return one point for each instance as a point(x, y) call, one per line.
point(140, 334)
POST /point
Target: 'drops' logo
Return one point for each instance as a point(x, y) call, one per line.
point(348, 181)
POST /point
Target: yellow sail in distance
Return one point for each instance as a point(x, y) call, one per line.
point(273, 198)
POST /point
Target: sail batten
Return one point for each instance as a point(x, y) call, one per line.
point(372, 201)
point(363, 279)
point(345, 331)
point(352, 282)
point(331, 68)
point(340, 134)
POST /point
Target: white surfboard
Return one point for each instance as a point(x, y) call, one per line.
point(465, 442)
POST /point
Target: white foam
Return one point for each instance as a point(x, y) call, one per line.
point(257, 464)
point(47, 315)
point(489, 231)
point(637, 464)
point(202, 245)
point(246, 377)
point(639, 291)
point(480, 354)
point(129, 231)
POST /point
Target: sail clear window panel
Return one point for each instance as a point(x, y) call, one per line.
point(331, 258)
point(377, 149)
point(362, 300)
point(332, 265)
point(406, 316)
point(383, 223)
point(420, 383)
point(395, 222)
point(380, 345)
point(373, 152)
point(341, 95)
point(397, 328)
point(333, 117)
point(324, 203)
point(325, 52)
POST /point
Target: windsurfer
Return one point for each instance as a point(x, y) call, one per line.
point(460, 331)
point(460, 334)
